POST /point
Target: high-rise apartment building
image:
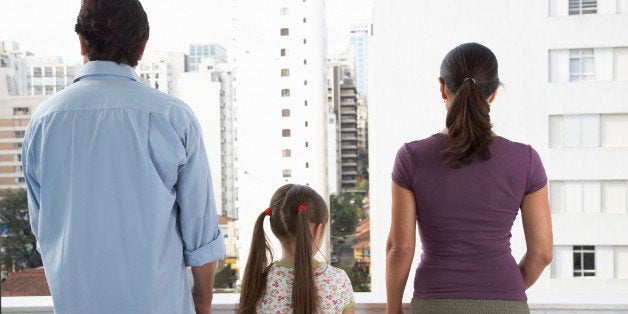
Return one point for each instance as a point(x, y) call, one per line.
point(161, 70)
point(358, 39)
point(564, 64)
point(342, 101)
point(210, 94)
point(281, 74)
point(198, 52)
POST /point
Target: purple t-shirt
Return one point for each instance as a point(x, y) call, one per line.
point(465, 216)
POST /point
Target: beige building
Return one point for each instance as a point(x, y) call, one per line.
point(15, 113)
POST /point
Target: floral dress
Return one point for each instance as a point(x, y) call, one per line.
point(333, 287)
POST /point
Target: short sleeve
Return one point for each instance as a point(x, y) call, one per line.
point(403, 168)
point(537, 177)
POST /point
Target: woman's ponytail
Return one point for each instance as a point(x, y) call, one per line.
point(469, 125)
point(256, 271)
point(303, 290)
point(469, 71)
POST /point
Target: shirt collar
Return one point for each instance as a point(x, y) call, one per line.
point(106, 68)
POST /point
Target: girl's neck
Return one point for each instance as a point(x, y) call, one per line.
point(286, 256)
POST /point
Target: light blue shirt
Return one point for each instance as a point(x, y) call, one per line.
point(119, 195)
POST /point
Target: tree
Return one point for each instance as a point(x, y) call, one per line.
point(18, 242)
point(344, 217)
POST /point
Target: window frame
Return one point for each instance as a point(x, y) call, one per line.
point(581, 55)
point(579, 269)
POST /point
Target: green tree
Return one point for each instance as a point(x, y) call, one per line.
point(18, 242)
point(344, 216)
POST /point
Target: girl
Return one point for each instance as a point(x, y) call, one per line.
point(296, 283)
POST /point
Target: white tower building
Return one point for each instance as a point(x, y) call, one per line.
point(281, 52)
point(565, 68)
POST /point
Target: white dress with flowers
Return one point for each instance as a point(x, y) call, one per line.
point(333, 287)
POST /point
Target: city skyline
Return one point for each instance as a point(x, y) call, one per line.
point(51, 30)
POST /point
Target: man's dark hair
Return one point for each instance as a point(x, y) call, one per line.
point(113, 30)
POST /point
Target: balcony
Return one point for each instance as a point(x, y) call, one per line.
point(366, 302)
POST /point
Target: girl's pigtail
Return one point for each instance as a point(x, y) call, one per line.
point(304, 295)
point(256, 271)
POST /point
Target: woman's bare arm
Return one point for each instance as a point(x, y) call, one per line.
point(537, 226)
point(400, 246)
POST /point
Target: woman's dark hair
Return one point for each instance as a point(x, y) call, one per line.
point(470, 73)
point(113, 30)
point(292, 227)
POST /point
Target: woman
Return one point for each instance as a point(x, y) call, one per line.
point(464, 187)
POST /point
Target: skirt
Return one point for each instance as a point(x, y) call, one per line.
point(467, 306)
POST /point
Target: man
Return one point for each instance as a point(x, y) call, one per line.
point(119, 187)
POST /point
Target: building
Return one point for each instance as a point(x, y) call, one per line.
point(358, 39)
point(362, 245)
point(198, 52)
point(15, 113)
point(210, 94)
point(342, 102)
point(49, 75)
point(228, 227)
point(282, 114)
point(26, 283)
point(161, 70)
point(565, 68)
point(13, 69)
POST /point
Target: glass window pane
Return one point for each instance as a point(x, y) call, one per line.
point(577, 261)
point(589, 261)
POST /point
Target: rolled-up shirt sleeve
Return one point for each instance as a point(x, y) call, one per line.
point(203, 241)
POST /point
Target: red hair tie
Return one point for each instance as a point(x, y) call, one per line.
point(267, 211)
point(301, 208)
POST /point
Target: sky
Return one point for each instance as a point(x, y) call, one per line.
point(46, 27)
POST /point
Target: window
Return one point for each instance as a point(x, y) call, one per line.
point(285, 133)
point(588, 130)
point(48, 71)
point(38, 90)
point(620, 63)
point(287, 173)
point(284, 32)
point(37, 71)
point(283, 52)
point(59, 71)
point(19, 134)
point(18, 111)
point(304, 82)
point(283, 11)
point(583, 261)
point(285, 92)
point(71, 71)
point(307, 144)
point(286, 153)
point(305, 61)
point(306, 124)
point(307, 165)
point(285, 72)
point(305, 103)
point(304, 41)
point(581, 65)
point(285, 112)
point(49, 90)
point(577, 7)
point(304, 20)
